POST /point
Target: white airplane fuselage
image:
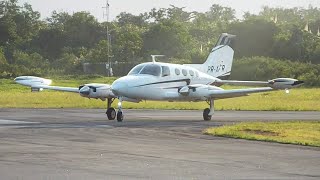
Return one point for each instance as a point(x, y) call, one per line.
point(165, 85)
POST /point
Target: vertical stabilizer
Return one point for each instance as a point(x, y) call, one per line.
point(219, 61)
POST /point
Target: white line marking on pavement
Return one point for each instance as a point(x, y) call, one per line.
point(11, 122)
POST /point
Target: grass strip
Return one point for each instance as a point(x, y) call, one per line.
point(305, 133)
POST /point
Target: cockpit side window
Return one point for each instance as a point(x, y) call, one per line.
point(136, 69)
point(151, 69)
point(165, 71)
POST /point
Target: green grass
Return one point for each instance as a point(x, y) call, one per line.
point(297, 132)
point(17, 96)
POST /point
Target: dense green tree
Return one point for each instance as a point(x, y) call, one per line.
point(254, 37)
point(68, 62)
point(83, 30)
point(127, 18)
point(221, 14)
point(50, 42)
point(178, 14)
point(33, 60)
point(262, 68)
point(128, 42)
point(8, 27)
point(99, 53)
point(157, 15)
point(169, 37)
point(315, 55)
point(3, 60)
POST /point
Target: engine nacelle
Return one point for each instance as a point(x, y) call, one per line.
point(284, 83)
point(198, 91)
point(96, 91)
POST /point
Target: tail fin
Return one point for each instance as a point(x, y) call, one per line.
point(219, 61)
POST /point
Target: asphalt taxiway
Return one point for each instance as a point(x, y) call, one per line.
point(149, 144)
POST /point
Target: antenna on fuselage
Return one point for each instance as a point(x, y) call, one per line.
point(155, 56)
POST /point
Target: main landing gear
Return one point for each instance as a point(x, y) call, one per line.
point(111, 112)
point(207, 113)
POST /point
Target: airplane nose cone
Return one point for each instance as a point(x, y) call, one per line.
point(84, 91)
point(119, 88)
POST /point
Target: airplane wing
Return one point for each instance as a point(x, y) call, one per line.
point(279, 83)
point(92, 90)
point(223, 94)
point(245, 83)
point(214, 92)
point(56, 88)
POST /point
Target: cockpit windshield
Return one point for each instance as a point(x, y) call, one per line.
point(136, 69)
point(149, 69)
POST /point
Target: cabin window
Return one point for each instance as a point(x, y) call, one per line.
point(184, 72)
point(151, 69)
point(177, 71)
point(191, 73)
point(165, 71)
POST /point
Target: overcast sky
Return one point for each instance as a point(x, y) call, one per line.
point(45, 7)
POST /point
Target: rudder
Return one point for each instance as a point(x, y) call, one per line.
point(220, 59)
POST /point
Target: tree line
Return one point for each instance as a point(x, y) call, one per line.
point(62, 42)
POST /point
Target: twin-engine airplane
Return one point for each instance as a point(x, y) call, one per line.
point(171, 82)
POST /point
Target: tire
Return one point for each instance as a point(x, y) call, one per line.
point(206, 116)
point(111, 113)
point(119, 116)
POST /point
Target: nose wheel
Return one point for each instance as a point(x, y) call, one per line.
point(120, 114)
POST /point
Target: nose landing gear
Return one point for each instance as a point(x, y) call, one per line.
point(120, 114)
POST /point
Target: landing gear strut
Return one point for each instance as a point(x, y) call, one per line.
point(120, 114)
point(111, 112)
point(207, 113)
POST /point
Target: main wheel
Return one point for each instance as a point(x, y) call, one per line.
point(111, 113)
point(119, 116)
point(206, 115)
